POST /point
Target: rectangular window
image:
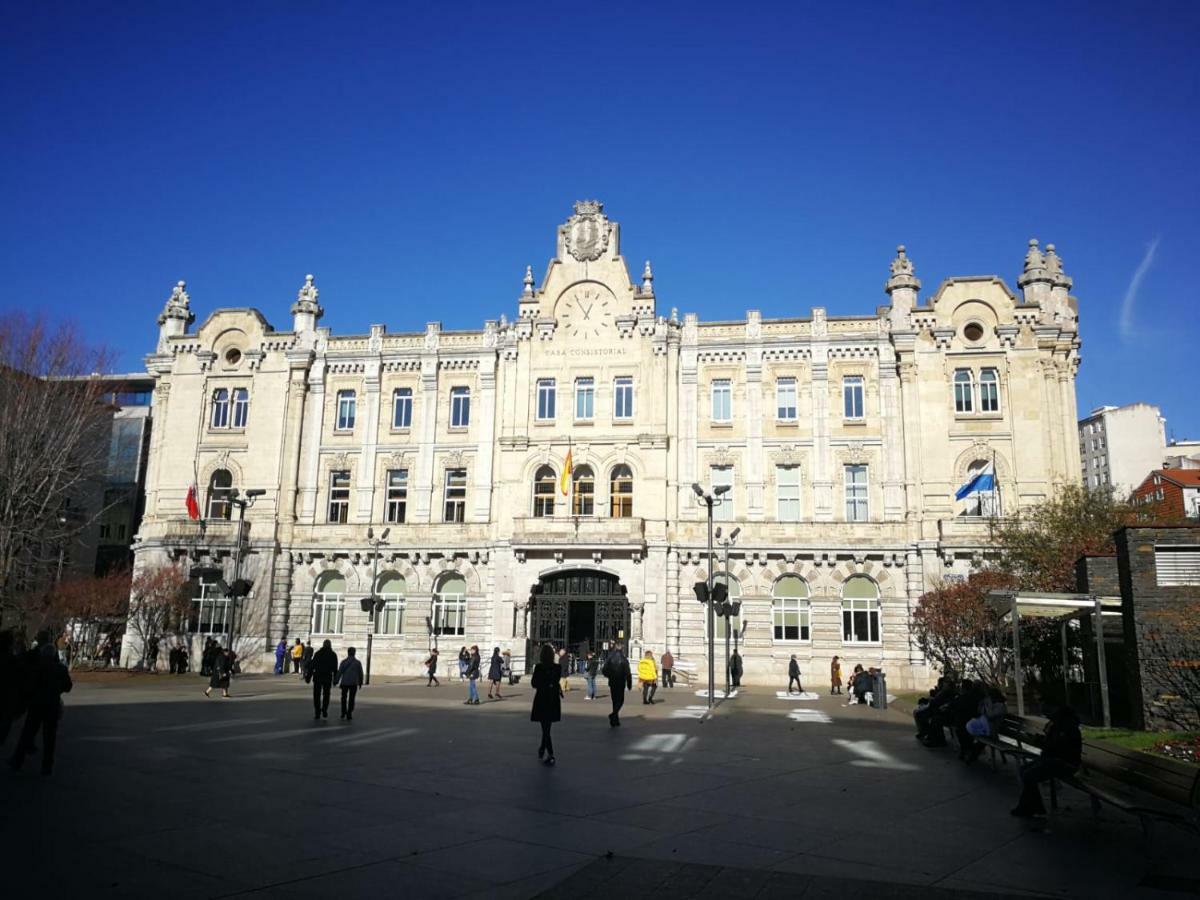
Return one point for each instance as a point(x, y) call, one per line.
point(852, 397)
point(790, 619)
point(397, 495)
point(545, 400)
point(241, 407)
point(346, 407)
point(723, 506)
point(856, 493)
point(787, 487)
point(390, 619)
point(964, 392)
point(722, 400)
point(785, 399)
point(623, 398)
point(210, 611)
point(860, 621)
point(460, 407)
point(329, 613)
point(450, 614)
point(339, 496)
point(402, 401)
point(989, 391)
point(585, 399)
point(455, 509)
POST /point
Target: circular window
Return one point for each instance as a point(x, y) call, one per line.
point(233, 356)
point(973, 332)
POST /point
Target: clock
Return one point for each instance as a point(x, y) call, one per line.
point(586, 312)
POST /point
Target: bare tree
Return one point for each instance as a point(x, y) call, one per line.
point(158, 600)
point(87, 607)
point(54, 444)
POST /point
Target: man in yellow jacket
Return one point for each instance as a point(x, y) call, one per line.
point(648, 676)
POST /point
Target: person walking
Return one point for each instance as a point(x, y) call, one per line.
point(667, 664)
point(320, 670)
point(564, 665)
point(280, 656)
point(735, 669)
point(620, 679)
point(794, 675)
point(297, 656)
point(835, 676)
point(590, 671)
point(495, 673)
point(48, 681)
point(220, 670)
point(306, 659)
point(464, 660)
point(349, 678)
point(648, 676)
point(547, 700)
point(473, 666)
point(431, 667)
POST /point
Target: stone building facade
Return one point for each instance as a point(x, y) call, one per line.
point(843, 440)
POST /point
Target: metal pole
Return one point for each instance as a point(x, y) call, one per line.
point(712, 624)
point(1016, 617)
point(1066, 683)
point(1103, 662)
point(237, 571)
point(728, 625)
point(371, 616)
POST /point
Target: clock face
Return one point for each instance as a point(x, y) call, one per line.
point(586, 312)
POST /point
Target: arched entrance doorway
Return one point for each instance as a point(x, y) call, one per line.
point(580, 609)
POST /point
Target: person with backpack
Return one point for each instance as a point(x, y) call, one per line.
point(320, 671)
point(495, 673)
point(547, 700)
point(620, 679)
point(431, 667)
point(349, 678)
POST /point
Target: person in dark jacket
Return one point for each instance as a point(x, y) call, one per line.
point(10, 678)
point(1060, 758)
point(320, 671)
point(547, 700)
point(590, 671)
point(474, 671)
point(735, 669)
point(930, 716)
point(306, 657)
point(431, 666)
point(794, 675)
point(620, 679)
point(666, 665)
point(464, 660)
point(49, 680)
point(495, 673)
point(350, 678)
point(220, 671)
point(964, 708)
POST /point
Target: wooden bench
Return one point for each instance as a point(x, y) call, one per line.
point(1018, 737)
point(1151, 788)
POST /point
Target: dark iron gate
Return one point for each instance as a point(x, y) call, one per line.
point(550, 614)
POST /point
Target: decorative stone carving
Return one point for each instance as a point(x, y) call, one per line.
point(587, 231)
point(820, 324)
point(647, 279)
point(339, 461)
point(854, 454)
point(178, 306)
point(455, 459)
point(753, 325)
point(432, 336)
point(902, 273)
point(490, 333)
point(527, 293)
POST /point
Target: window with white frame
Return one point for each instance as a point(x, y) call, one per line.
point(852, 397)
point(620, 492)
point(790, 611)
point(450, 605)
point(623, 398)
point(460, 407)
point(454, 508)
point(545, 399)
point(964, 391)
point(785, 399)
point(347, 408)
point(735, 593)
point(329, 604)
point(583, 491)
point(989, 391)
point(397, 495)
point(339, 496)
point(545, 484)
point(210, 609)
point(391, 589)
point(241, 408)
point(722, 400)
point(722, 476)
point(220, 409)
point(220, 495)
point(402, 406)
point(787, 493)
point(855, 478)
point(860, 611)
point(585, 399)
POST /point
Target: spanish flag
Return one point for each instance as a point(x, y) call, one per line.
point(565, 481)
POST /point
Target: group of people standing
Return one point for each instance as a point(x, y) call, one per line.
point(32, 683)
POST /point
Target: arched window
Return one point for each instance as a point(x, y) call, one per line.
point(329, 604)
point(241, 407)
point(544, 485)
point(620, 491)
point(220, 493)
point(964, 391)
point(989, 391)
point(735, 593)
point(450, 605)
point(981, 480)
point(220, 409)
point(860, 611)
point(790, 609)
point(583, 491)
point(391, 589)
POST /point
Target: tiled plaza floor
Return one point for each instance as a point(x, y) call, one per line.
point(160, 790)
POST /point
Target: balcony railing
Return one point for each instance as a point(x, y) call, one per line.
point(204, 531)
point(577, 530)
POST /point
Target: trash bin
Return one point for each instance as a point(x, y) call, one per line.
point(879, 691)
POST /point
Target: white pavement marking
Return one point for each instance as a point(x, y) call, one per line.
point(689, 712)
point(872, 756)
point(718, 695)
point(806, 695)
point(810, 715)
point(314, 728)
point(351, 739)
point(209, 726)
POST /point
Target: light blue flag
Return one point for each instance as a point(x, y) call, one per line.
point(983, 483)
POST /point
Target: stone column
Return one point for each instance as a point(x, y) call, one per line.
point(753, 461)
point(481, 490)
point(910, 411)
point(822, 464)
point(365, 488)
point(636, 608)
point(310, 451)
point(422, 480)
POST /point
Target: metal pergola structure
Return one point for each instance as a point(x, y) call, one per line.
point(1063, 607)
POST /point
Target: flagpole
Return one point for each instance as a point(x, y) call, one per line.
point(998, 511)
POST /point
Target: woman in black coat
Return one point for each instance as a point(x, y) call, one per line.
point(495, 673)
point(222, 667)
point(547, 700)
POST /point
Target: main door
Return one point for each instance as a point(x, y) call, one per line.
point(580, 610)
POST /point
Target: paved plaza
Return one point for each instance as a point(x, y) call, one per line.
point(160, 791)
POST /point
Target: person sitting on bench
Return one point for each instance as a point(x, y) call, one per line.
point(863, 682)
point(1060, 758)
point(963, 710)
point(928, 716)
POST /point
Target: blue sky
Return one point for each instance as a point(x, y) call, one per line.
point(417, 157)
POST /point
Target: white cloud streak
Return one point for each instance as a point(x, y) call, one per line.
point(1125, 323)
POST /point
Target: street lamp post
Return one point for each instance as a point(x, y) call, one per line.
point(373, 604)
point(710, 499)
point(728, 610)
point(237, 590)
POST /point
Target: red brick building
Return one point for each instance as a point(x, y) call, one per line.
point(1176, 490)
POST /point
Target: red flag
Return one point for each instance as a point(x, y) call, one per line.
point(193, 507)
